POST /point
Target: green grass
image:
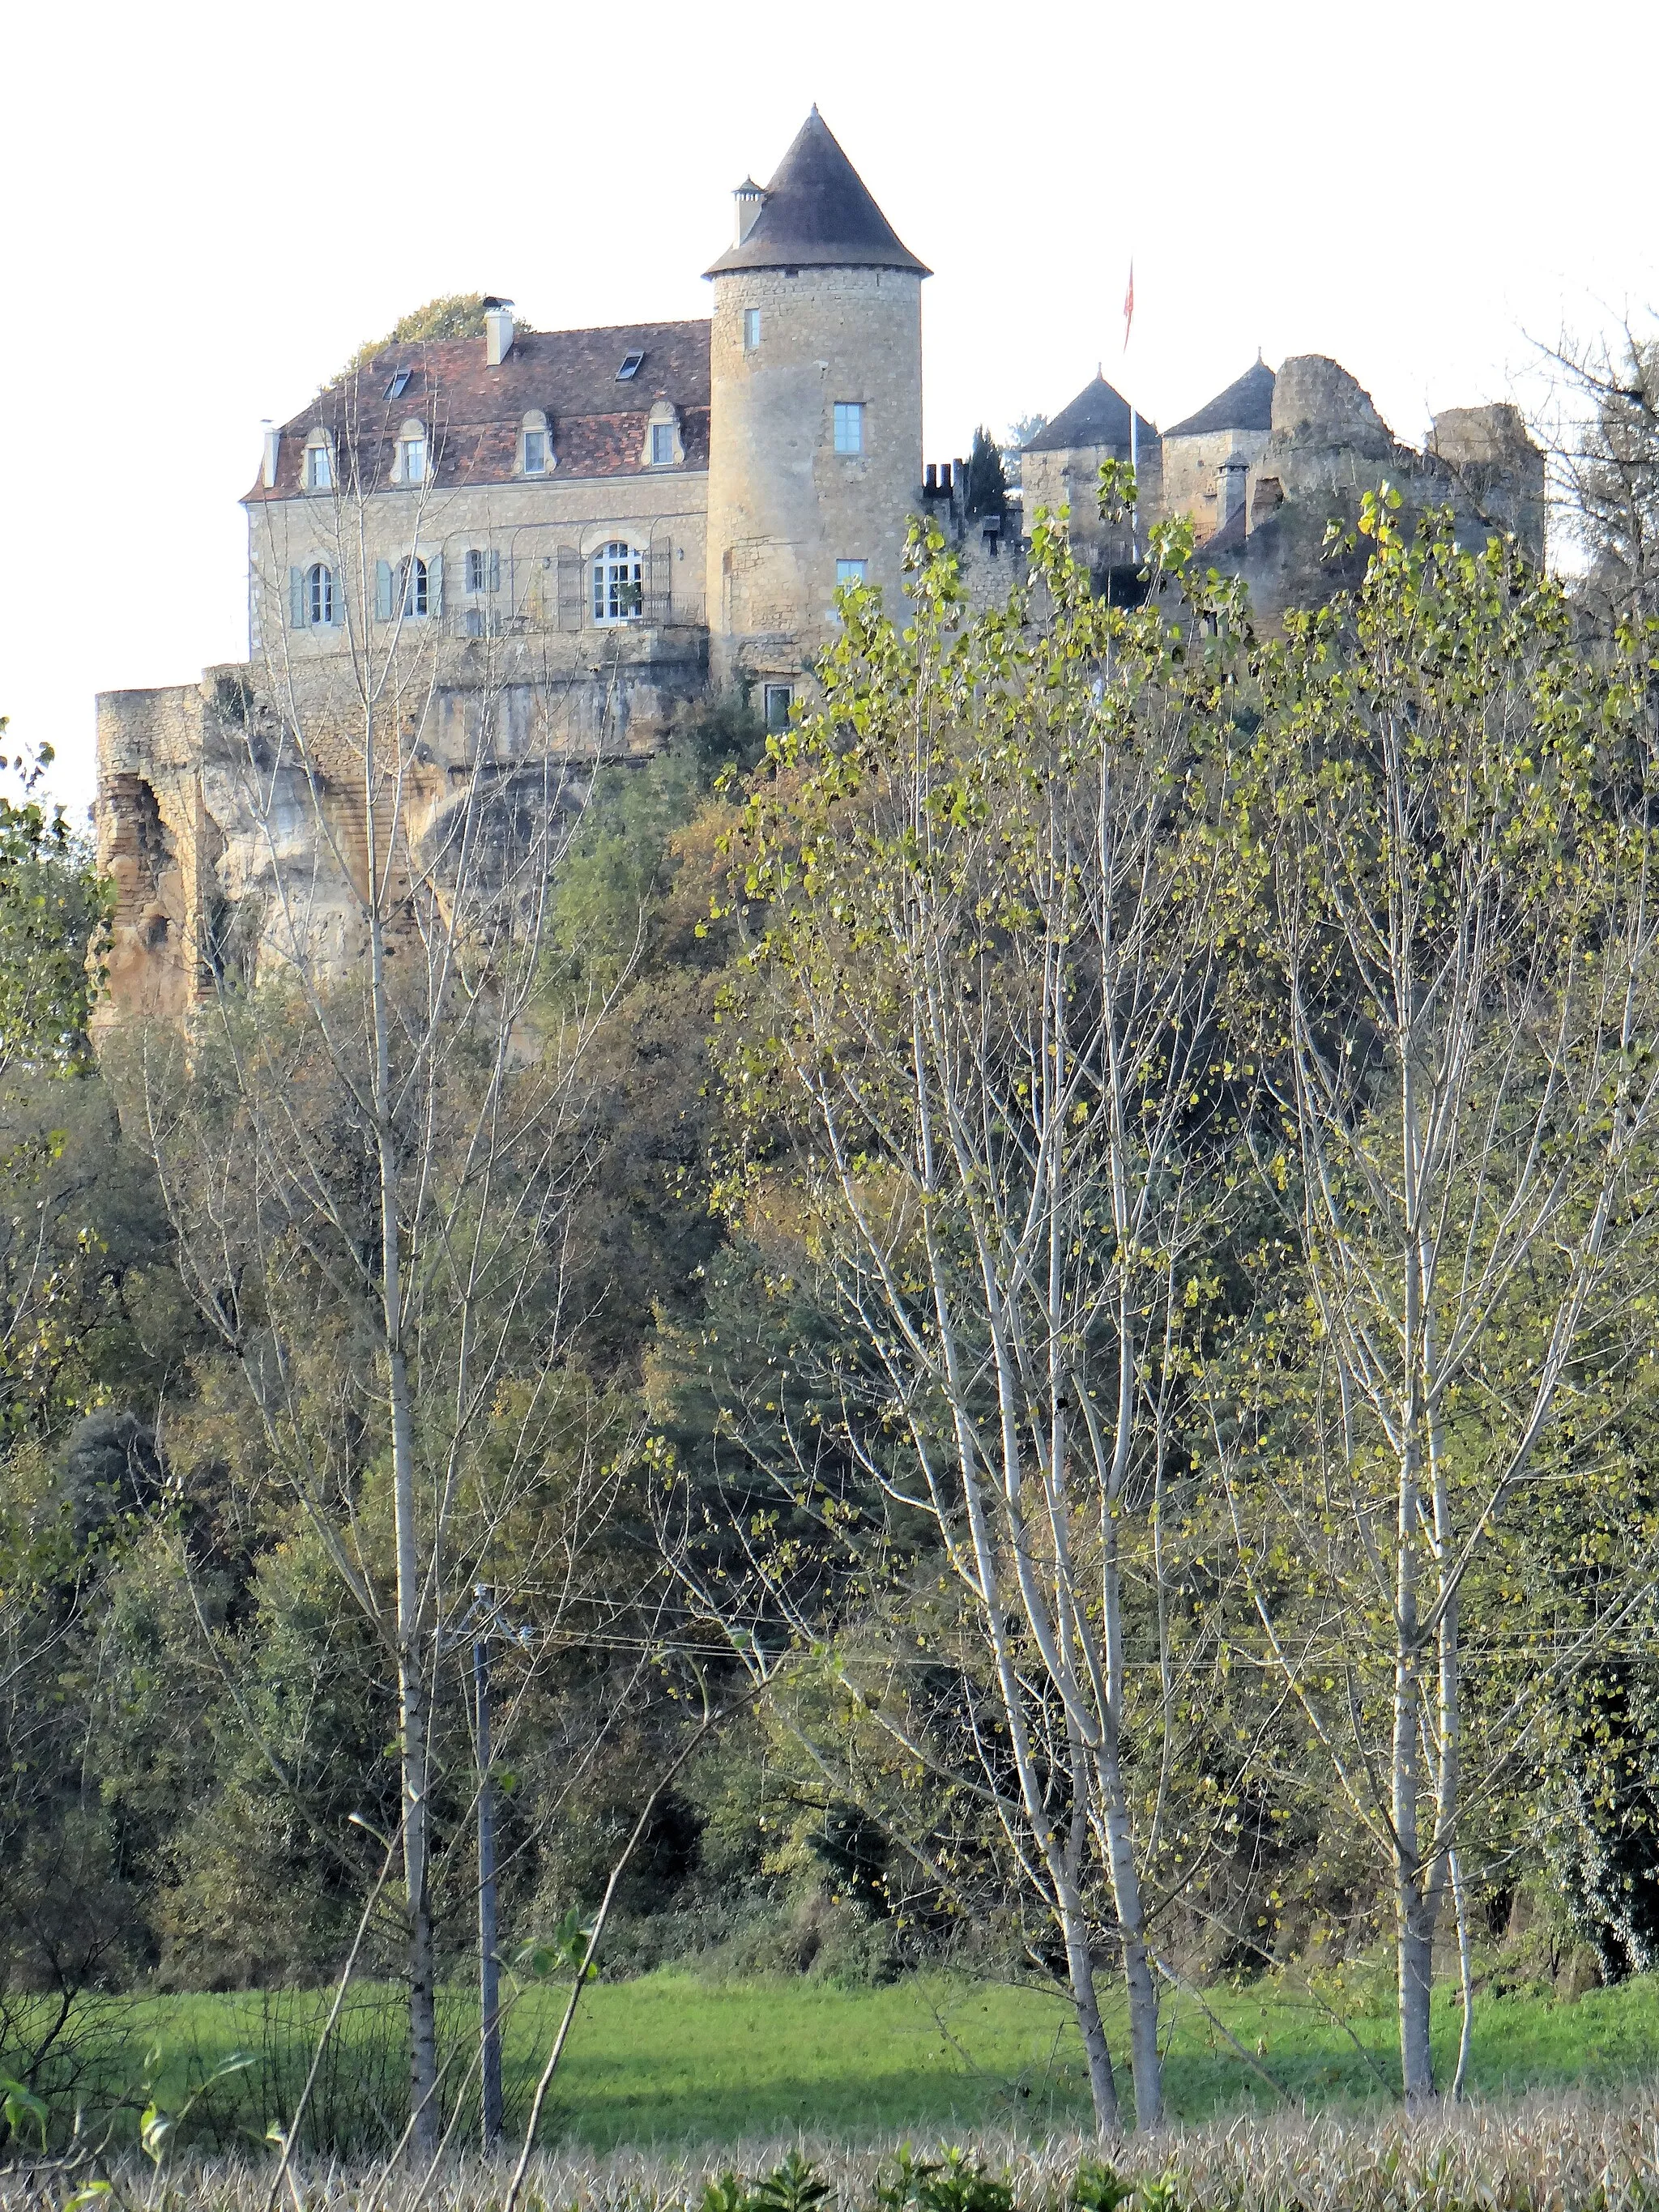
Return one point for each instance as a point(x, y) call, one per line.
point(671, 2059)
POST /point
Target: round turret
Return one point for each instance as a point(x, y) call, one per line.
point(815, 429)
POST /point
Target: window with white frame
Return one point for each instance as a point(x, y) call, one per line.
point(849, 426)
point(483, 569)
point(411, 453)
point(750, 329)
point(320, 467)
point(780, 698)
point(618, 582)
point(662, 445)
point(535, 445)
point(320, 592)
point(413, 586)
point(850, 572)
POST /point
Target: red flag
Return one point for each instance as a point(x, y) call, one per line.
point(1128, 306)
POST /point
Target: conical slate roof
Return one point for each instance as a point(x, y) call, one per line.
point(1247, 404)
point(817, 214)
point(1097, 416)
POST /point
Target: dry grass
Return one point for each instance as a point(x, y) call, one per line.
point(1551, 2154)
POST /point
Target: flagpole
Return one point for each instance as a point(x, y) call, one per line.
point(1135, 425)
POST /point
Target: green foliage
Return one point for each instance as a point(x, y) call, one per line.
point(53, 912)
point(987, 483)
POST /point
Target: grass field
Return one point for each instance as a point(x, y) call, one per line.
point(669, 2059)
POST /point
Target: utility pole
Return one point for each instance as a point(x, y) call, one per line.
point(490, 1970)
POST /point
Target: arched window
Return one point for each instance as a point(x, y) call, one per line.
point(618, 582)
point(414, 586)
point(320, 592)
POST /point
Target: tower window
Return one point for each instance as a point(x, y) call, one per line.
point(618, 582)
point(780, 698)
point(750, 329)
point(662, 445)
point(849, 426)
point(850, 572)
point(414, 579)
point(320, 592)
point(319, 469)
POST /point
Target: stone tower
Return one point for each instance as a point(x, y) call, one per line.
point(815, 434)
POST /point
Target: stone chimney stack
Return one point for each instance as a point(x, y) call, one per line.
point(498, 331)
point(272, 453)
point(749, 200)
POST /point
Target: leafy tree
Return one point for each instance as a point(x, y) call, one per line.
point(987, 483)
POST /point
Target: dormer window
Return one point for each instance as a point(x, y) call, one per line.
point(411, 453)
point(663, 448)
point(535, 445)
point(319, 474)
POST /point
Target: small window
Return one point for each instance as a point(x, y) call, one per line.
point(319, 472)
point(414, 579)
point(630, 367)
point(320, 592)
point(535, 452)
point(849, 426)
point(618, 582)
point(399, 384)
point(750, 329)
point(662, 445)
point(850, 572)
point(411, 460)
point(484, 570)
point(780, 698)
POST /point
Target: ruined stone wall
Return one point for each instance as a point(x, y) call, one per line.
point(1070, 477)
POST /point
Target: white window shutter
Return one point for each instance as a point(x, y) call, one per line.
point(383, 590)
point(297, 598)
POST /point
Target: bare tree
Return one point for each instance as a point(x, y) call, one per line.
point(369, 1134)
point(1442, 841)
point(975, 1007)
point(1604, 447)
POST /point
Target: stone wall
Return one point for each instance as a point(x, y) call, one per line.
point(783, 505)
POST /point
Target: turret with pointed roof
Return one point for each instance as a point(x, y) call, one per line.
point(815, 458)
point(817, 213)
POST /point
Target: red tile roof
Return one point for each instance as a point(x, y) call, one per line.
point(473, 412)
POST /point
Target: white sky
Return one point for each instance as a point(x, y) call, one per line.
point(207, 207)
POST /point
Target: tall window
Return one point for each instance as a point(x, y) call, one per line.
point(413, 575)
point(412, 459)
point(780, 697)
point(850, 572)
point(535, 452)
point(750, 329)
point(320, 592)
point(849, 426)
point(319, 469)
point(483, 569)
point(662, 445)
point(618, 582)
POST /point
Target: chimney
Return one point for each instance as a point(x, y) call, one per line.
point(273, 450)
point(749, 200)
point(498, 331)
